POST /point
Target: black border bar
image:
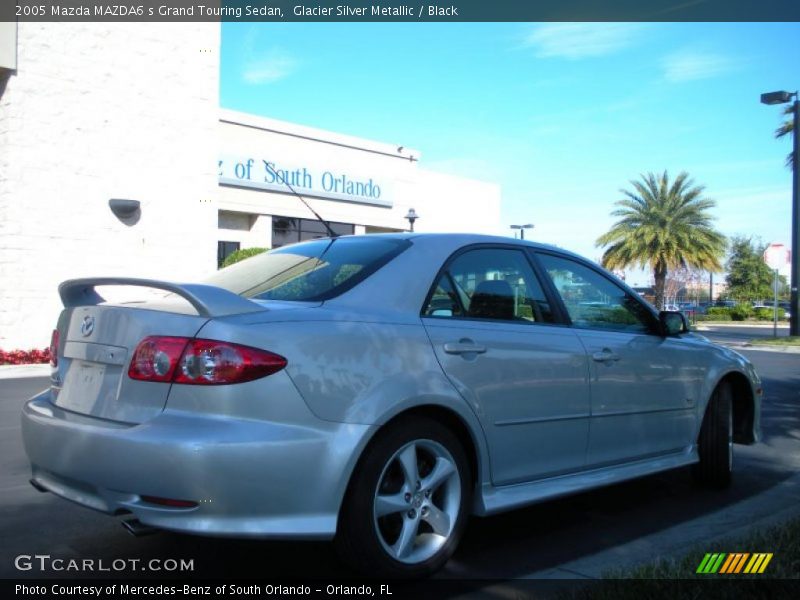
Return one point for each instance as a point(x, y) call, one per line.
point(400, 11)
point(730, 588)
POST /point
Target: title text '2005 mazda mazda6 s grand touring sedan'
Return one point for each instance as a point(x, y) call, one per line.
point(376, 390)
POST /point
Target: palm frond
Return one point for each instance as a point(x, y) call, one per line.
point(662, 224)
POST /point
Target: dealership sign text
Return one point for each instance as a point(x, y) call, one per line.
point(272, 175)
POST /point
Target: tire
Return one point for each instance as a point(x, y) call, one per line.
point(389, 526)
point(715, 443)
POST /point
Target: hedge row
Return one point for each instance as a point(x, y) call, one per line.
point(24, 357)
point(740, 312)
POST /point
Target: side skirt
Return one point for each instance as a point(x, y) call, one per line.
point(494, 499)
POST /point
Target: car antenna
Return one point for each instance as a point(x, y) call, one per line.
point(282, 179)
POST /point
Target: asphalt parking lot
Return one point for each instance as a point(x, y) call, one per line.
point(575, 537)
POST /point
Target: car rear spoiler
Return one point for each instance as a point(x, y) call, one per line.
point(207, 300)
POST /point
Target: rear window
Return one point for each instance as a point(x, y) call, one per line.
point(308, 271)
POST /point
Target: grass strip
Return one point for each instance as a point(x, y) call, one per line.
point(678, 578)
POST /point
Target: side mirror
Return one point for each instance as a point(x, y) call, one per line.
point(673, 322)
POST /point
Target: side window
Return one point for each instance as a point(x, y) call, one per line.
point(444, 301)
point(490, 283)
point(593, 301)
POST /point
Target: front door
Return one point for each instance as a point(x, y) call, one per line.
point(644, 386)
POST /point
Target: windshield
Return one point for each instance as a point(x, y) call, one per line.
point(309, 271)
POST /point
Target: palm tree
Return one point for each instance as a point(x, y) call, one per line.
point(664, 227)
point(786, 128)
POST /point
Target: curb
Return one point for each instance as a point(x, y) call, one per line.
point(761, 347)
point(24, 371)
point(785, 349)
point(754, 325)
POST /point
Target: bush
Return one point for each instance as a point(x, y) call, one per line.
point(715, 317)
point(719, 311)
point(766, 314)
point(238, 255)
point(740, 312)
point(24, 357)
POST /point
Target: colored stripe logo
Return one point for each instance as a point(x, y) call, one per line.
point(734, 563)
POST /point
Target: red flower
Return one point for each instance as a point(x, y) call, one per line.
point(24, 357)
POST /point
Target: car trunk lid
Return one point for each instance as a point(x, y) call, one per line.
point(98, 339)
point(98, 343)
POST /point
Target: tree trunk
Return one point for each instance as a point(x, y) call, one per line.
point(660, 278)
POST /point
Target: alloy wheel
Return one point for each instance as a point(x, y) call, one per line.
point(417, 501)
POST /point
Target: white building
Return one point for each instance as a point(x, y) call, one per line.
point(84, 119)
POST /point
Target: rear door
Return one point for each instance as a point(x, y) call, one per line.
point(644, 387)
point(498, 340)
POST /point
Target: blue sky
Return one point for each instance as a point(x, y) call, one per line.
point(560, 115)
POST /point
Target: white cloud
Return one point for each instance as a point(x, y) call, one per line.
point(581, 40)
point(269, 67)
point(690, 65)
point(262, 64)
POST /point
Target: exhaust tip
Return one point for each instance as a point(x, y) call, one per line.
point(38, 486)
point(138, 529)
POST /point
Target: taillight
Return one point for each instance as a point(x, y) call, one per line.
point(156, 357)
point(200, 362)
point(54, 348)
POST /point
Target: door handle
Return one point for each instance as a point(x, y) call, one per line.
point(605, 355)
point(464, 347)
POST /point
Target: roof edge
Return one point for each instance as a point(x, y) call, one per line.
point(317, 135)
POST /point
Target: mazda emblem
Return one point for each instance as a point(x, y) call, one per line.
point(87, 327)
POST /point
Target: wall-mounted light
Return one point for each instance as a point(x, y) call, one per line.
point(412, 216)
point(125, 210)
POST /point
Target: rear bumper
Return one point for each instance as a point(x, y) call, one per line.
point(250, 478)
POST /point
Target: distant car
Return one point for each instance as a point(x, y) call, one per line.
point(672, 307)
point(377, 389)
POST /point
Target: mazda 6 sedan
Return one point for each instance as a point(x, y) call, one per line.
point(376, 390)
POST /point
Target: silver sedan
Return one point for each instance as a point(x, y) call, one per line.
point(376, 390)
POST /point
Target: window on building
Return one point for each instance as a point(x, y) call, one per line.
point(288, 230)
point(225, 249)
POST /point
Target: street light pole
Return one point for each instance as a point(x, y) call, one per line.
point(783, 97)
point(522, 229)
point(794, 319)
point(710, 288)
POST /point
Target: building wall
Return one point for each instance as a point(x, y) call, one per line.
point(444, 203)
point(123, 111)
point(8, 45)
point(92, 113)
point(448, 204)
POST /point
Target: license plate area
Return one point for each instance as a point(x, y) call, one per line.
point(86, 387)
